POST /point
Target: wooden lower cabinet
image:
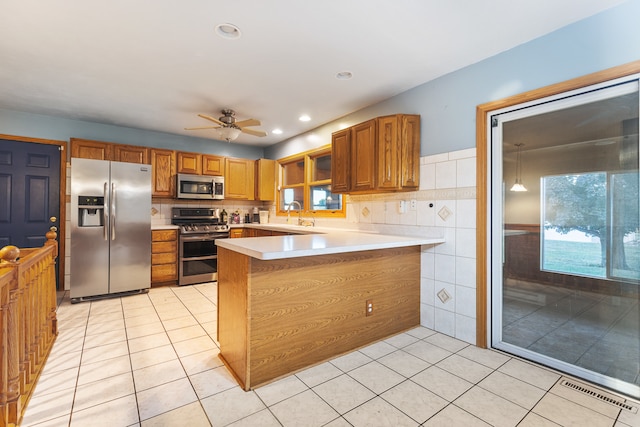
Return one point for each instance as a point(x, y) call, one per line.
point(164, 257)
point(276, 317)
point(237, 232)
point(255, 232)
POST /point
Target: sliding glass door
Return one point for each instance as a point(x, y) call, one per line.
point(565, 240)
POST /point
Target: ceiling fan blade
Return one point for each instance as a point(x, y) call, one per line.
point(248, 122)
point(254, 132)
point(204, 116)
point(207, 127)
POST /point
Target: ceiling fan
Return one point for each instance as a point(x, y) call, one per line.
point(228, 128)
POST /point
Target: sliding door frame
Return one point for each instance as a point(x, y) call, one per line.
point(483, 138)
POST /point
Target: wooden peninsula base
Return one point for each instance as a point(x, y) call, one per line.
point(276, 317)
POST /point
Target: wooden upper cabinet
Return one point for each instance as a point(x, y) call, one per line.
point(98, 150)
point(87, 149)
point(363, 156)
point(340, 156)
point(239, 179)
point(388, 155)
point(212, 165)
point(130, 154)
point(265, 179)
point(379, 155)
point(410, 151)
point(163, 163)
point(189, 163)
point(200, 164)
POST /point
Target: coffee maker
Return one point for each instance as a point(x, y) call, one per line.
point(255, 217)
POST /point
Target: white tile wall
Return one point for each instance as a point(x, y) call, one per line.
point(446, 206)
point(446, 174)
point(445, 322)
point(445, 268)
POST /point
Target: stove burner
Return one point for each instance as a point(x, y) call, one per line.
point(198, 221)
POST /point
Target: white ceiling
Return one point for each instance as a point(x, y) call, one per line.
point(156, 64)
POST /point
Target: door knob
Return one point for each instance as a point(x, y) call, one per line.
point(53, 219)
point(53, 228)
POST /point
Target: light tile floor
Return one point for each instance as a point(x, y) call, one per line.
point(151, 360)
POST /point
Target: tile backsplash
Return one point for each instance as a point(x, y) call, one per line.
point(445, 205)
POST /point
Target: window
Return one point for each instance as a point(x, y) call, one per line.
point(305, 183)
point(578, 233)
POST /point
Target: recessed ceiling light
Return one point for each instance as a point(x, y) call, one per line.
point(304, 118)
point(228, 31)
point(277, 131)
point(344, 75)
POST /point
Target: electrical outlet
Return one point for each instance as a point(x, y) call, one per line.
point(402, 206)
point(413, 204)
point(369, 309)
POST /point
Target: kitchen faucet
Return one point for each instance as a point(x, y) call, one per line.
point(299, 212)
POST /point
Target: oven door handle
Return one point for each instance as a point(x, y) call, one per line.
point(203, 238)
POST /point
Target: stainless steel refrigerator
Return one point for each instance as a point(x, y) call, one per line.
point(110, 228)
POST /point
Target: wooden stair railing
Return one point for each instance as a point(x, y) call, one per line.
point(28, 324)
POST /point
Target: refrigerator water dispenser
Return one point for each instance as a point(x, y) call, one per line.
point(91, 211)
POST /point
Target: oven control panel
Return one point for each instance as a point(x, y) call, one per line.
point(202, 228)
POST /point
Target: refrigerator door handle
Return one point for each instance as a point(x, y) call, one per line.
point(105, 213)
point(113, 211)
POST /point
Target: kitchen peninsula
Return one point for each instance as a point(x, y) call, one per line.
point(289, 302)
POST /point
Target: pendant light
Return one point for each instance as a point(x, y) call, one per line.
point(518, 186)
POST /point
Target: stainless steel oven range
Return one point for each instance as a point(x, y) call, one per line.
point(197, 251)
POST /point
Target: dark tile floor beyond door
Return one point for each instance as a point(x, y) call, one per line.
point(600, 333)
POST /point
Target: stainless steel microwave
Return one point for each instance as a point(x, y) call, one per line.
point(200, 187)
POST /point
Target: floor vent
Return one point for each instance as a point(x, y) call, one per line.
point(594, 393)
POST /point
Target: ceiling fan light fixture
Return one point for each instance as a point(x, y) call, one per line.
point(229, 133)
point(228, 31)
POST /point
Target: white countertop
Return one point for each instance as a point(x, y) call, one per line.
point(164, 227)
point(325, 241)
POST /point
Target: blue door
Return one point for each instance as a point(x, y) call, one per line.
point(29, 192)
